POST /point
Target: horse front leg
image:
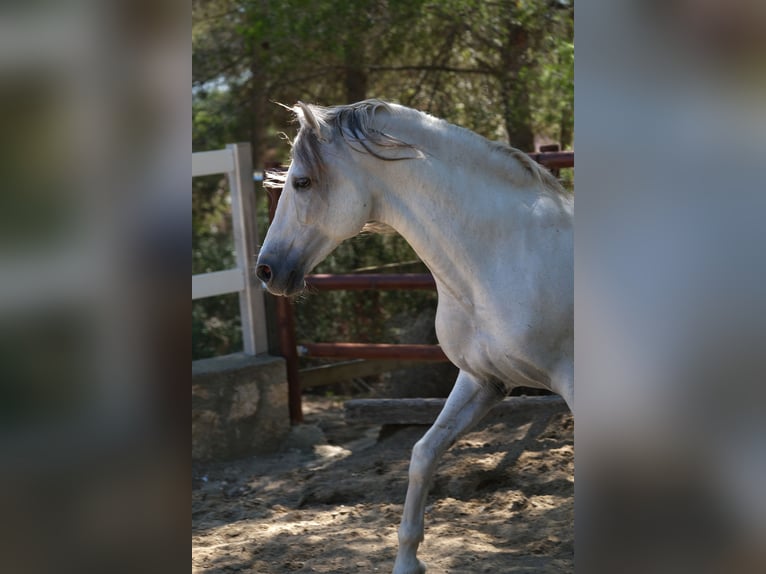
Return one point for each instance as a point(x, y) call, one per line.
point(468, 402)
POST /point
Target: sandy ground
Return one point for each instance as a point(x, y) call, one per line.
point(502, 501)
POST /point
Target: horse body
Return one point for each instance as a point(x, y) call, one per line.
point(494, 228)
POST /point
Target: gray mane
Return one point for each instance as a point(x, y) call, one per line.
point(354, 124)
point(529, 166)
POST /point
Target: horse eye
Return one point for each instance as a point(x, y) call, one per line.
point(302, 182)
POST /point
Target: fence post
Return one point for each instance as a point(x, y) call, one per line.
point(283, 309)
point(251, 307)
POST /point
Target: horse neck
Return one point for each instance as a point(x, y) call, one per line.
point(451, 209)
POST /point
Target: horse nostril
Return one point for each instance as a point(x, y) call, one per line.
point(263, 272)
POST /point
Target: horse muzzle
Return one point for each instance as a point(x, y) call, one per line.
point(279, 278)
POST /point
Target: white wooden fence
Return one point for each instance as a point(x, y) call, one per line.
point(235, 162)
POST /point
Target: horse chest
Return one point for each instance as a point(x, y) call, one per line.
point(492, 348)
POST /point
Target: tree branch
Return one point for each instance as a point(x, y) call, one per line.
point(222, 71)
point(430, 68)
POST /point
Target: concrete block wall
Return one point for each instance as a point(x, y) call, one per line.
point(239, 406)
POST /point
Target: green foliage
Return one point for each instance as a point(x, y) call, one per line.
point(504, 69)
point(371, 315)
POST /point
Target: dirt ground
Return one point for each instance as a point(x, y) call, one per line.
point(502, 500)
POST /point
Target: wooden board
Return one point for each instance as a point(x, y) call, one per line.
point(347, 370)
point(425, 411)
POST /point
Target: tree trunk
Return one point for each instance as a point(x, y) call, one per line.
point(567, 123)
point(516, 109)
point(356, 75)
point(566, 134)
point(258, 123)
point(518, 118)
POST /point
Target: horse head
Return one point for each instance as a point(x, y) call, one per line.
point(325, 199)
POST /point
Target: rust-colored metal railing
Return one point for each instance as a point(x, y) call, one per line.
point(372, 351)
point(360, 281)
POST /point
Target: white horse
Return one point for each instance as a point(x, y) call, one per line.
point(493, 226)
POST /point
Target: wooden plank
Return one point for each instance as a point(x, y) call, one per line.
point(425, 411)
point(217, 283)
point(337, 372)
point(211, 162)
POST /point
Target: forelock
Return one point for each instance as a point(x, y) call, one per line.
point(306, 151)
point(354, 124)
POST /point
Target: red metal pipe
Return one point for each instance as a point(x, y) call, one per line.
point(286, 327)
point(358, 281)
point(373, 351)
point(283, 309)
point(550, 159)
point(554, 159)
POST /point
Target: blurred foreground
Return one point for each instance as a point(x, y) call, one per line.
point(94, 214)
point(670, 274)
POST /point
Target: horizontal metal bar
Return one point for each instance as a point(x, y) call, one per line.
point(373, 351)
point(217, 283)
point(211, 162)
point(550, 159)
point(371, 281)
point(554, 159)
point(347, 370)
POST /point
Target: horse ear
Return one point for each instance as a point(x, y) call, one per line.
point(307, 117)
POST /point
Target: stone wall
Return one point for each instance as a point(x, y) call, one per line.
point(239, 406)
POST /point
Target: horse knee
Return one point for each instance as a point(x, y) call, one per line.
point(421, 462)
